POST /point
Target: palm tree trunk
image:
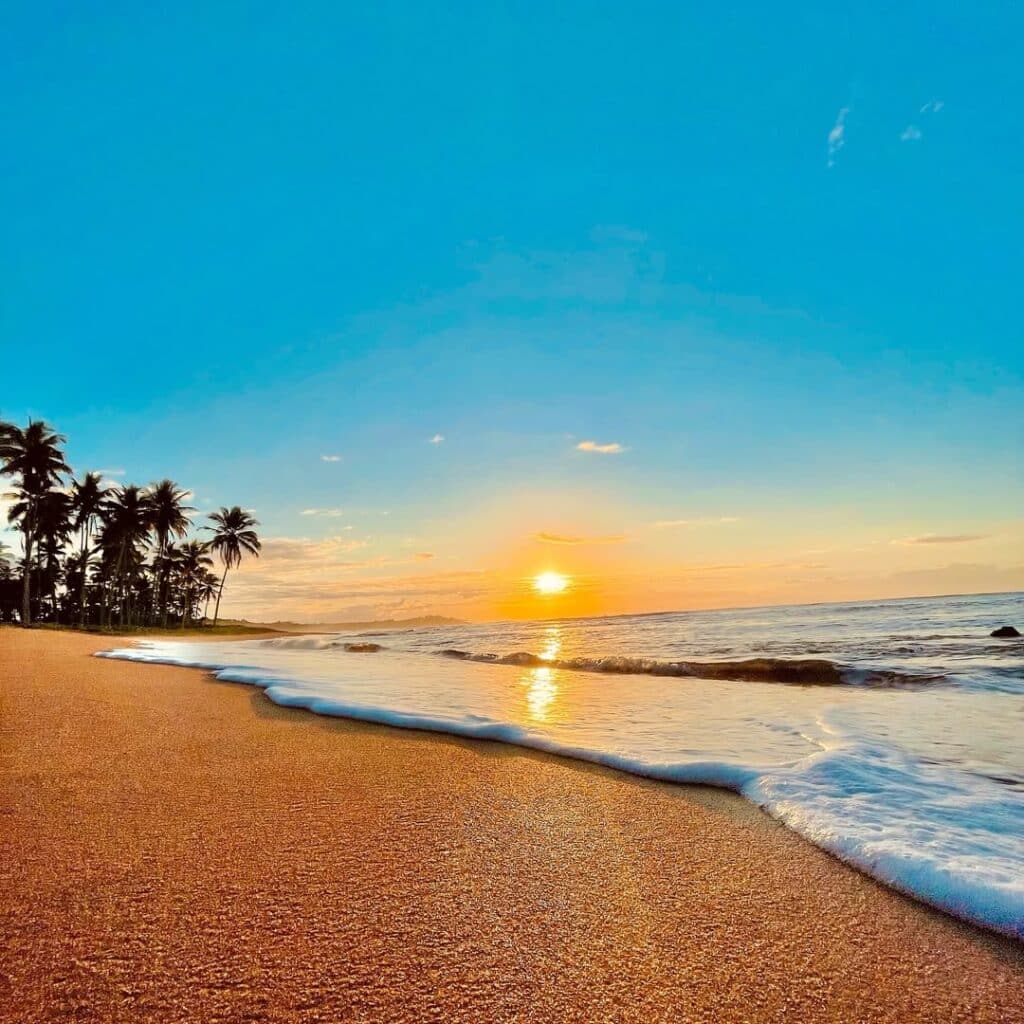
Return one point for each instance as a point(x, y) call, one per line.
point(26, 580)
point(220, 590)
point(122, 597)
point(54, 601)
point(187, 609)
point(162, 597)
point(85, 568)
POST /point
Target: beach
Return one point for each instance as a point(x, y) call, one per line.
point(174, 848)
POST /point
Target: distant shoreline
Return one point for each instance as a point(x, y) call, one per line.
point(442, 620)
point(346, 627)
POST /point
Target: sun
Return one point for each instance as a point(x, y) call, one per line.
point(550, 583)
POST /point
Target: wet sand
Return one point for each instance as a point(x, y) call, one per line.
point(177, 849)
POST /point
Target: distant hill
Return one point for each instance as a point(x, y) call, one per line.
point(347, 627)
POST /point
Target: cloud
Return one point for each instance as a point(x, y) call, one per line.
point(330, 512)
point(912, 133)
point(109, 472)
point(330, 458)
point(299, 549)
point(612, 448)
point(544, 537)
point(437, 439)
point(837, 135)
point(704, 521)
point(941, 538)
point(423, 556)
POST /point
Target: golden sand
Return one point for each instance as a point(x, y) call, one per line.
point(177, 849)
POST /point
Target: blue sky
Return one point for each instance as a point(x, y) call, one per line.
point(775, 258)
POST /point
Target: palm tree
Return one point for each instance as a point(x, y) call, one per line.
point(209, 588)
point(128, 518)
point(88, 497)
point(33, 455)
point(233, 534)
point(170, 519)
point(193, 564)
point(53, 527)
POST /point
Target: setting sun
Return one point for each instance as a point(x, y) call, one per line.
point(550, 583)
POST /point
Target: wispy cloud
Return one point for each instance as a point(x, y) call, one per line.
point(437, 439)
point(837, 135)
point(110, 472)
point(423, 556)
point(322, 553)
point(703, 521)
point(330, 512)
point(912, 133)
point(944, 538)
point(611, 448)
point(330, 458)
point(557, 538)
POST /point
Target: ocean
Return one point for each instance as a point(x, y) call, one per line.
point(890, 733)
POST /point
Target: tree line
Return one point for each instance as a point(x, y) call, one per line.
point(95, 554)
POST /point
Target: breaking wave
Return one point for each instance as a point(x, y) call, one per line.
point(795, 671)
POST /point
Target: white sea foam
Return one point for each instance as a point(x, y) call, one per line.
point(921, 788)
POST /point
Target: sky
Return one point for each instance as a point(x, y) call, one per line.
point(700, 305)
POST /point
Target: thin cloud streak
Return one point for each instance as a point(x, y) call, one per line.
point(330, 458)
point(544, 537)
point(612, 448)
point(940, 538)
point(704, 521)
point(837, 135)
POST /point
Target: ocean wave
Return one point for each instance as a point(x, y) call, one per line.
point(793, 671)
point(323, 643)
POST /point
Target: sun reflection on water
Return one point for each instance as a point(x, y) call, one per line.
point(541, 690)
point(552, 644)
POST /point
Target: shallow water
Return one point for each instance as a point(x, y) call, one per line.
point(905, 757)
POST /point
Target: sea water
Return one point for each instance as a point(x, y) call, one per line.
point(889, 733)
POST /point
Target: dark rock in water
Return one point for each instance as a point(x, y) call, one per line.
point(363, 648)
point(1004, 632)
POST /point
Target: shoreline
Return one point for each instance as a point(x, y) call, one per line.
point(173, 843)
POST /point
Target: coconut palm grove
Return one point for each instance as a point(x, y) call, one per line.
point(108, 556)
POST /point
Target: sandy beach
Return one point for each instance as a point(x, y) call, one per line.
point(177, 849)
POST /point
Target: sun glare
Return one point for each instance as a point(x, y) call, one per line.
point(550, 583)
